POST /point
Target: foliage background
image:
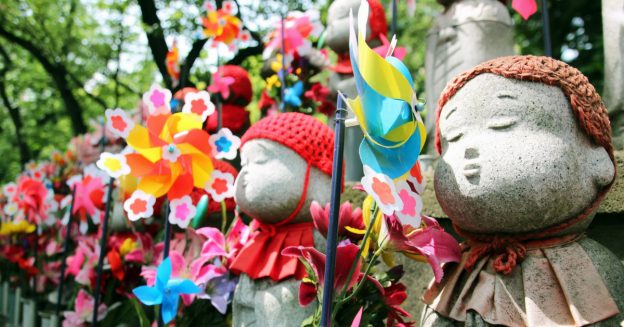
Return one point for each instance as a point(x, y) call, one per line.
point(96, 52)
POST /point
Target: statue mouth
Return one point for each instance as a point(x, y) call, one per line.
point(472, 172)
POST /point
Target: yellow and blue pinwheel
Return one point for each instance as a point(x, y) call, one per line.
point(385, 107)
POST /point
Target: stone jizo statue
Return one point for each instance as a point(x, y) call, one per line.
point(525, 159)
point(286, 164)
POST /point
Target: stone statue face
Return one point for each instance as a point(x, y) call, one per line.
point(270, 183)
point(514, 158)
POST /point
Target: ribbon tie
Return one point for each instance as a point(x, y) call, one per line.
point(508, 253)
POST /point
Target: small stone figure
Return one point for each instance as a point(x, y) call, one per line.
point(466, 34)
point(286, 164)
point(526, 158)
point(613, 31)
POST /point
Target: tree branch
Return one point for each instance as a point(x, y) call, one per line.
point(193, 54)
point(155, 38)
point(79, 84)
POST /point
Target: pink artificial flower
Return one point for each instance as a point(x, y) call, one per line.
point(83, 311)
point(82, 263)
point(347, 218)
point(217, 245)
point(221, 84)
point(89, 199)
point(432, 242)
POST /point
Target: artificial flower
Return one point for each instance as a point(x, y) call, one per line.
point(198, 103)
point(157, 100)
point(218, 245)
point(266, 102)
point(182, 211)
point(84, 260)
point(220, 186)
point(221, 84)
point(139, 205)
point(347, 217)
point(383, 190)
point(118, 122)
point(165, 292)
point(20, 227)
point(115, 165)
point(346, 254)
point(220, 291)
point(299, 27)
point(224, 144)
point(430, 242)
point(88, 199)
point(83, 311)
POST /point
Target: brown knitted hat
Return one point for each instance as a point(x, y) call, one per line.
point(587, 105)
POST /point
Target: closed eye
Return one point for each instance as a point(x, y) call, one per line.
point(454, 136)
point(501, 123)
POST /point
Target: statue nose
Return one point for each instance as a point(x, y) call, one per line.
point(471, 153)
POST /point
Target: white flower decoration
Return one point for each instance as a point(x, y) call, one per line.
point(383, 191)
point(412, 205)
point(416, 178)
point(157, 100)
point(220, 186)
point(171, 152)
point(198, 103)
point(115, 165)
point(11, 208)
point(9, 189)
point(182, 211)
point(224, 144)
point(139, 205)
point(118, 122)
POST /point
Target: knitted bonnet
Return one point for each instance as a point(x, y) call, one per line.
point(307, 136)
point(589, 110)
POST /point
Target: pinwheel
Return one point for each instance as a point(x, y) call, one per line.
point(526, 8)
point(173, 63)
point(221, 85)
point(292, 95)
point(385, 108)
point(166, 291)
point(89, 198)
point(30, 199)
point(172, 154)
point(221, 25)
point(299, 27)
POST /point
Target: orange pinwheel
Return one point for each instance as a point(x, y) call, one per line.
point(172, 155)
point(221, 25)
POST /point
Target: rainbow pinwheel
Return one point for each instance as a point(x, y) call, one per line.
point(385, 108)
point(171, 154)
point(221, 24)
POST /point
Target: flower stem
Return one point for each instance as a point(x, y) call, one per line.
point(366, 272)
point(223, 216)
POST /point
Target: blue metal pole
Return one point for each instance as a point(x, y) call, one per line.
point(332, 233)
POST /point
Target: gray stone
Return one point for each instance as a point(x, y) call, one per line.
point(268, 188)
point(515, 160)
point(613, 31)
point(509, 149)
point(467, 33)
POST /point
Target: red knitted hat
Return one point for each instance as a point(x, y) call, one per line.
point(234, 117)
point(241, 91)
point(377, 19)
point(586, 103)
point(306, 135)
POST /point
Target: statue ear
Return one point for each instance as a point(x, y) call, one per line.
point(600, 165)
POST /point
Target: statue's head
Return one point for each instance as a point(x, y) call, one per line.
point(286, 164)
point(525, 144)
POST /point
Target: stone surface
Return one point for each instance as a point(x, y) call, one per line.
point(509, 154)
point(613, 31)
point(268, 188)
point(467, 33)
point(515, 160)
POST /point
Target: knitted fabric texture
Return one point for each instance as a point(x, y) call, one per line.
point(377, 19)
point(306, 135)
point(241, 90)
point(591, 115)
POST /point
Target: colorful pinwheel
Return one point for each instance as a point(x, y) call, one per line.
point(89, 197)
point(385, 108)
point(221, 24)
point(221, 85)
point(299, 28)
point(166, 291)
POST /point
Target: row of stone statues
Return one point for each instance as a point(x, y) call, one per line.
point(526, 157)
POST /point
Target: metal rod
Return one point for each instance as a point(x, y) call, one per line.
point(100, 266)
point(332, 233)
point(167, 242)
point(546, 29)
point(283, 86)
point(218, 99)
point(66, 242)
point(393, 26)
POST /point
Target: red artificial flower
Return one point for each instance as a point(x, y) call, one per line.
point(347, 217)
point(266, 102)
point(114, 259)
point(317, 92)
point(346, 254)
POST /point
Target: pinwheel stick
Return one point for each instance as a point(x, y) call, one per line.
point(546, 28)
point(100, 266)
point(283, 84)
point(218, 97)
point(332, 233)
point(59, 296)
point(393, 26)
